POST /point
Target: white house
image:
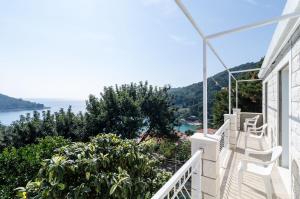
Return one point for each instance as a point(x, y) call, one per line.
point(281, 96)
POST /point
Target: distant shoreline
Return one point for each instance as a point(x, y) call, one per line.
point(24, 109)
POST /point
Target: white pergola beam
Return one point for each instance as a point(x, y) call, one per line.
point(200, 32)
point(205, 120)
point(219, 58)
point(190, 18)
point(254, 25)
point(246, 70)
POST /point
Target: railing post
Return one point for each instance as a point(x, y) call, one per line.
point(233, 130)
point(229, 93)
point(236, 94)
point(209, 180)
point(237, 111)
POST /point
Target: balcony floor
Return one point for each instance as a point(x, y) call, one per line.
point(253, 186)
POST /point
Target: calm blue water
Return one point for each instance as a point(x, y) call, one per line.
point(55, 105)
point(184, 127)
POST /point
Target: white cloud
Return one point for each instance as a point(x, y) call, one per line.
point(182, 41)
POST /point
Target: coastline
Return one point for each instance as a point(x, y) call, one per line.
point(24, 109)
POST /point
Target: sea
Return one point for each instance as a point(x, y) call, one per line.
point(54, 105)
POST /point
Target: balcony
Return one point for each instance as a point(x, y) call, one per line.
point(212, 171)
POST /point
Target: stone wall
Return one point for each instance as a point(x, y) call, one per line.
point(292, 59)
point(295, 121)
point(272, 108)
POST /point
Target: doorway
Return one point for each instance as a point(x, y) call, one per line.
point(284, 116)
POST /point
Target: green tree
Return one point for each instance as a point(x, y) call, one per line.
point(19, 165)
point(105, 167)
point(249, 98)
point(129, 109)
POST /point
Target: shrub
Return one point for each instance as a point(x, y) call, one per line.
point(18, 166)
point(106, 167)
point(190, 132)
point(180, 148)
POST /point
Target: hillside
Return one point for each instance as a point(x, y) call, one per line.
point(189, 99)
point(12, 104)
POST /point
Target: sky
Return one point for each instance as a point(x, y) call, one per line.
point(72, 48)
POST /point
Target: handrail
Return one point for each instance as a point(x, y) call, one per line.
point(221, 129)
point(220, 135)
point(176, 184)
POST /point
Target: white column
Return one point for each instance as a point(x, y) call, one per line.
point(229, 93)
point(236, 94)
point(210, 176)
point(237, 111)
point(204, 88)
point(233, 132)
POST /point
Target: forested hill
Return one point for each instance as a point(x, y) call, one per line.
point(189, 99)
point(13, 104)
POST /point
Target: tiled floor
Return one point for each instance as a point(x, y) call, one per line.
point(253, 186)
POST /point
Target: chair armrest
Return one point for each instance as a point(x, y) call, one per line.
point(256, 128)
point(249, 119)
point(255, 152)
point(245, 162)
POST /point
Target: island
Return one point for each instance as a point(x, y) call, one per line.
point(8, 104)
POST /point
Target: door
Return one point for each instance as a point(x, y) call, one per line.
point(284, 116)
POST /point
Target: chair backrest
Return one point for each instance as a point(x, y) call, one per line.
point(263, 129)
point(256, 119)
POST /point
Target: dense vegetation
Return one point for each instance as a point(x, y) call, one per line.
point(105, 158)
point(124, 110)
point(105, 167)
point(20, 165)
point(189, 99)
point(249, 98)
point(108, 166)
point(12, 104)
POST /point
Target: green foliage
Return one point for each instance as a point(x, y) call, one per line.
point(12, 104)
point(220, 107)
point(129, 109)
point(28, 129)
point(18, 166)
point(249, 98)
point(189, 132)
point(125, 110)
point(189, 99)
point(105, 167)
point(169, 148)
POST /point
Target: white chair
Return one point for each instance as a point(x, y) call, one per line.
point(259, 168)
point(250, 122)
point(257, 134)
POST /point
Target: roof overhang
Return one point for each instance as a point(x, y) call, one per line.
point(281, 36)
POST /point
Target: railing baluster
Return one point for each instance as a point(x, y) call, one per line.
point(178, 182)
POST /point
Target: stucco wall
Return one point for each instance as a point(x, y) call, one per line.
point(295, 121)
point(292, 59)
point(272, 109)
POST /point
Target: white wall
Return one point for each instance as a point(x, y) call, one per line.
point(292, 59)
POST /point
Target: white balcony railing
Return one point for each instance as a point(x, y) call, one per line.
point(180, 186)
point(223, 135)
